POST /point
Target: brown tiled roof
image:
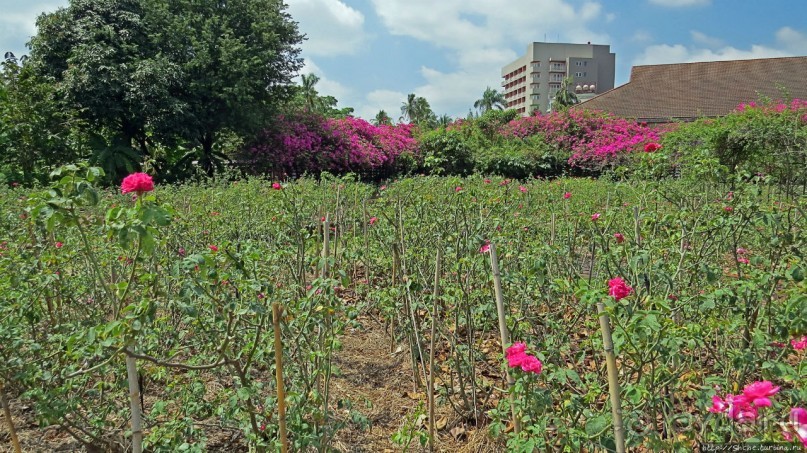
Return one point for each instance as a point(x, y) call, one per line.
point(691, 90)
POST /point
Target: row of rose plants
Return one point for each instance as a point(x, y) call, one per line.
point(707, 294)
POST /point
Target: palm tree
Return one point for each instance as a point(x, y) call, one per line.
point(490, 99)
point(382, 118)
point(444, 120)
point(417, 110)
point(409, 108)
point(308, 92)
point(564, 98)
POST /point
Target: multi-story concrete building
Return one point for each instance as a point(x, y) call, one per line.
point(532, 81)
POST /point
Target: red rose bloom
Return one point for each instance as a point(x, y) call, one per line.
point(137, 182)
point(651, 147)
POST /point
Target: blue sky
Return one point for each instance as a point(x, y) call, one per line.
point(371, 53)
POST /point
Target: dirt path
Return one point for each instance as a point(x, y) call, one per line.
point(379, 385)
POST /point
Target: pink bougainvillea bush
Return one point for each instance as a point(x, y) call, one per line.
point(591, 139)
point(305, 143)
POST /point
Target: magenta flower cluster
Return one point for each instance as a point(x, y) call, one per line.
point(796, 106)
point(592, 139)
point(310, 143)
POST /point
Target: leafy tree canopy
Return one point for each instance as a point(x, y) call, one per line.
point(171, 71)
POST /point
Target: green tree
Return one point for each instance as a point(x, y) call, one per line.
point(443, 120)
point(490, 99)
point(36, 131)
point(308, 93)
point(236, 61)
point(565, 97)
point(101, 56)
point(179, 72)
point(382, 118)
point(417, 110)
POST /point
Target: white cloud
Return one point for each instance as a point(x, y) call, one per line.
point(480, 36)
point(706, 40)
point(789, 42)
point(332, 27)
point(680, 3)
point(665, 53)
point(387, 100)
point(325, 86)
point(792, 40)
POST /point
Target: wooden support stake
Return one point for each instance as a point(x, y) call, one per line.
point(134, 404)
point(503, 331)
point(281, 393)
point(15, 441)
point(613, 378)
point(436, 294)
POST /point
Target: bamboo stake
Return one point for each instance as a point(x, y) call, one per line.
point(134, 404)
point(15, 441)
point(326, 245)
point(281, 393)
point(326, 251)
point(436, 293)
point(552, 236)
point(503, 332)
point(613, 378)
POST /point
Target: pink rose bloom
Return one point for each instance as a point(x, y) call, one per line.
point(522, 189)
point(531, 364)
point(484, 249)
point(487, 181)
point(740, 408)
point(505, 182)
point(618, 289)
point(59, 245)
point(373, 220)
point(515, 360)
point(800, 344)
point(458, 189)
point(567, 195)
point(181, 251)
point(137, 182)
point(758, 393)
point(277, 186)
point(383, 188)
point(742, 251)
point(718, 405)
point(743, 260)
point(213, 248)
point(619, 238)
point(595, 216)
point(797, 425)
point(516, 348)
point(728, 209)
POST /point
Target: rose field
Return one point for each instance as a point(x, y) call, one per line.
point(200, 251)
point(164, 297)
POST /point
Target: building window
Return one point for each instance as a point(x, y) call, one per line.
point(536, 97)
point(579, 74)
